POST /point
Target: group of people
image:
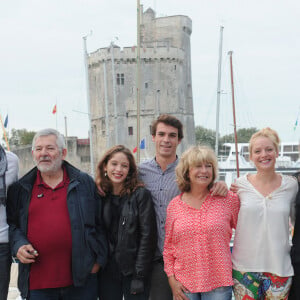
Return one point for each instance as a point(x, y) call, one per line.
point(158, 231)
point(197, 256)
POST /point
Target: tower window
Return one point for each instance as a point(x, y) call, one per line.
point(130, 130)
point(120, 79)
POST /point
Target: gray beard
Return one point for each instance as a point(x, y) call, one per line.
point(53, 168)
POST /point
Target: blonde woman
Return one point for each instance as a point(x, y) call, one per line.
point(262, 266)
point(198, 231)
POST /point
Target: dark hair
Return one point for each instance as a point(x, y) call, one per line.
point(168, 120)
point(131, 181)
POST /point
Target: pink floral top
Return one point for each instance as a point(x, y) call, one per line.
point(196, 249)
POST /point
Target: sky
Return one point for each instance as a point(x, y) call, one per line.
point(41, 59)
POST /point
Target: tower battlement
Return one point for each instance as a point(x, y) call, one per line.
point(165, 85)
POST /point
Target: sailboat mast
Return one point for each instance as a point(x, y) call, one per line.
point(234, 119)
point(219, 91)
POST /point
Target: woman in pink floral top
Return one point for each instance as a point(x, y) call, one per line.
point(198, 231)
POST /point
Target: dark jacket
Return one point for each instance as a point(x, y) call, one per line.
point(295, 251)
point(137, 236)
point(89, 243)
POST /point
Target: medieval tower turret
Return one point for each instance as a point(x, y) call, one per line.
point(166, 85)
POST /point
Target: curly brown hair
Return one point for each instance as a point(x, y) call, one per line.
point(131, 182)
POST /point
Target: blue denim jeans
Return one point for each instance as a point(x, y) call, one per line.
point(5, 264)
point(221, 293)
point(87, 292)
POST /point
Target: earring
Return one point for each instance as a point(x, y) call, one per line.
point(105, 174)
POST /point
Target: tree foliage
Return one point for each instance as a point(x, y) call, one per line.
point(207, 137)
point(20, 137)
point(243, 135)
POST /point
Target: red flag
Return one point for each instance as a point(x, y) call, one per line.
point(54, 109)
point(134, 150)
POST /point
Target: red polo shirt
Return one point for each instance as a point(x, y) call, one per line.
point(49, 232)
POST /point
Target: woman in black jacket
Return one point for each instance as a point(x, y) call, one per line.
point(295, 251)
point(129, 218)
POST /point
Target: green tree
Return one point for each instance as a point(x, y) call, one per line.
point(20, 137)
point(205, 136)
point(243, 135)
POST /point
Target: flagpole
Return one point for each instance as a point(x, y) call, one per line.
point(56, 115)
point(138, 80)
point(86, 68)
point(4, 133)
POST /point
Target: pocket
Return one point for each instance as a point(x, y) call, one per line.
point(222, 293)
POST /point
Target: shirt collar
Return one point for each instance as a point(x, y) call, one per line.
point(40, 182)
point(171, 165)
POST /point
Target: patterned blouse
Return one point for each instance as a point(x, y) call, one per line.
point(196, 249)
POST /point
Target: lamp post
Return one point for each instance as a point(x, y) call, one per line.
point(114, 92)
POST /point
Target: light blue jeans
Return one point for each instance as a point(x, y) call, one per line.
point(221, 293)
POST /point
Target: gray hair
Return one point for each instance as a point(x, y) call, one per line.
point(60, 141)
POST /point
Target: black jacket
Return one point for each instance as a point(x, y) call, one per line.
point(89, 243)
point(295, 251)
point(137, 235)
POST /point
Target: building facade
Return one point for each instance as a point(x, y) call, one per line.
point(165, 81)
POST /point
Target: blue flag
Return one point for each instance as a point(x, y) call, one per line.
point(6, 121)
point(143, 144)
point(296, 123)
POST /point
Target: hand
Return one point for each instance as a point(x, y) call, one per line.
point(234, 187)
point(136, 286)
point(178, 289)
point(96, 268)
point(100, 191)
point(27, 254)
point(219, 189)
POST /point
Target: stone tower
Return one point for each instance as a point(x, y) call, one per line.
point(166, 85)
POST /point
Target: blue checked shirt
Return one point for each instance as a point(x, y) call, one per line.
point(163, 188)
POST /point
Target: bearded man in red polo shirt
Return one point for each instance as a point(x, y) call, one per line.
point(55, 226)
